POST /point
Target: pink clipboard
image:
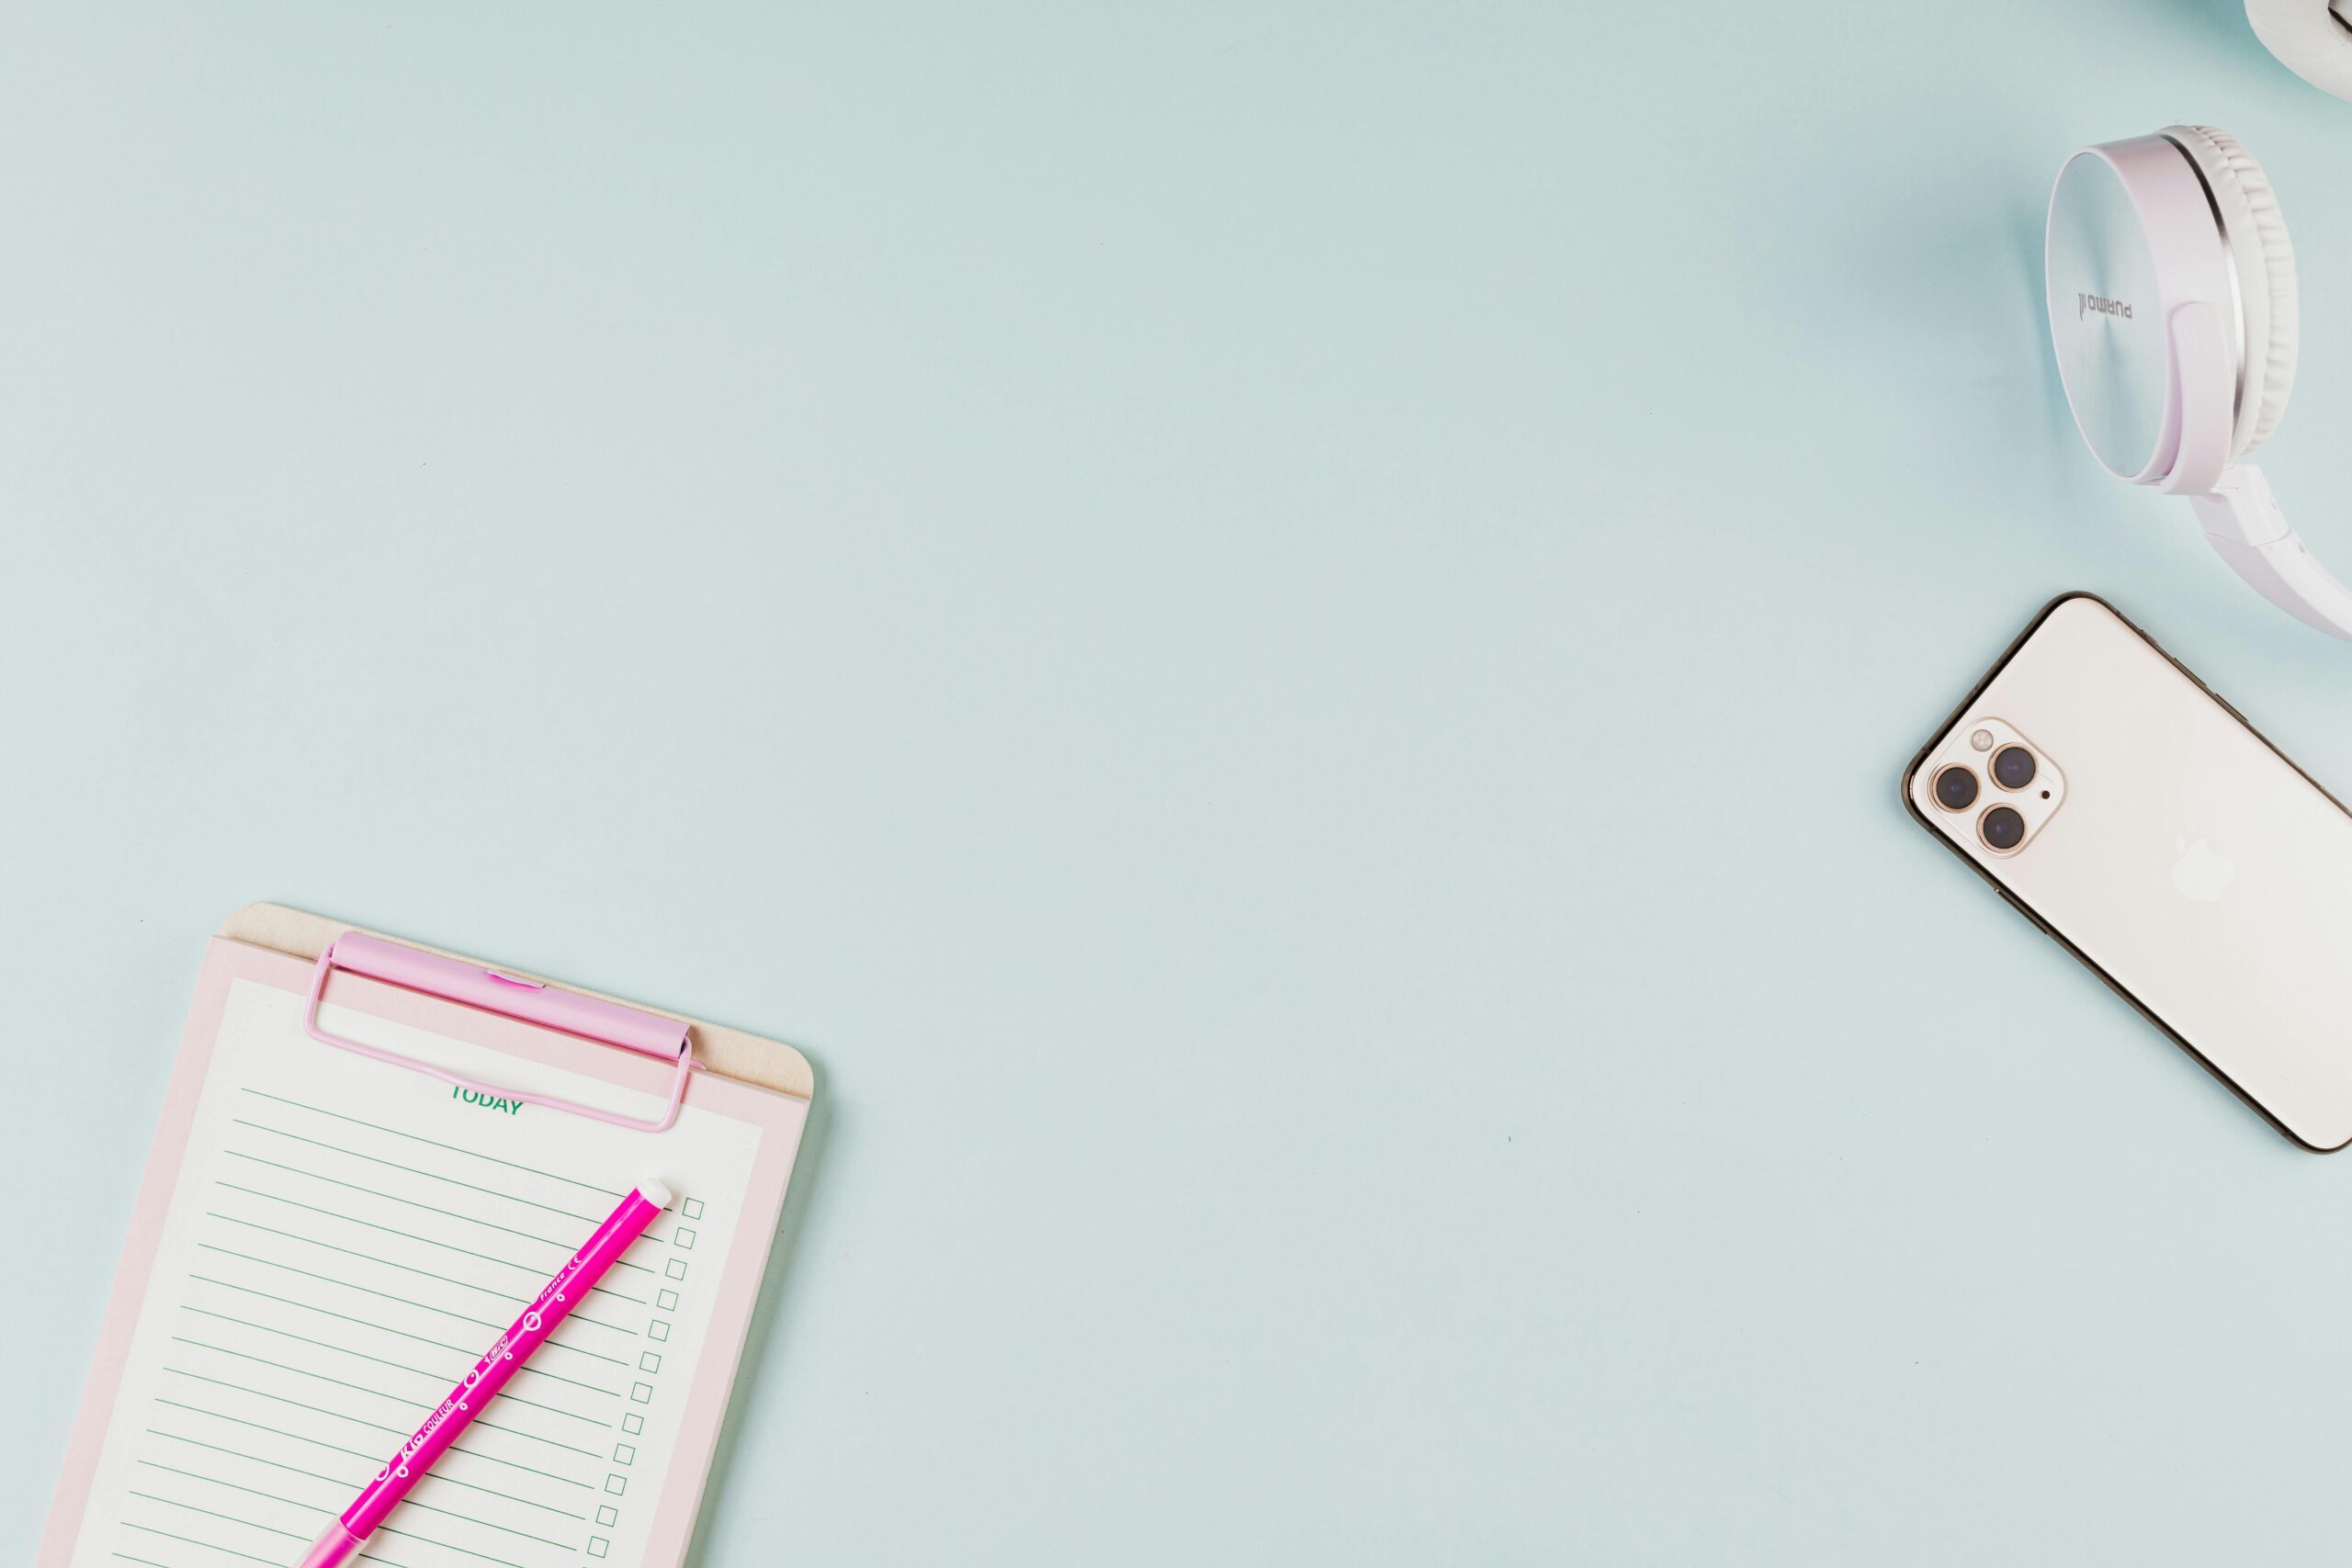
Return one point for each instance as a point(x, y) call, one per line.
point(509, 1026)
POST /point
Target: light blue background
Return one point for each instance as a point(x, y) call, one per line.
point(1281, 636)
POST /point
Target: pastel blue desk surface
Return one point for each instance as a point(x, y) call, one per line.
point(1282, 637)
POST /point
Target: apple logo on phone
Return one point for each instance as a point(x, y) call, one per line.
point(2200, 874)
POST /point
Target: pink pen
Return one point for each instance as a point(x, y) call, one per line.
point(349, 1534)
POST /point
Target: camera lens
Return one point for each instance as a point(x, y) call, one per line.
point(2003, 828)
point(2013, 767)
point(1955, 789)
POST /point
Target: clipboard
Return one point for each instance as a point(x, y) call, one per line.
point(366, 1145)
point(730, 1053)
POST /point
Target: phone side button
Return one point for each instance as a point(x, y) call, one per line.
point(2227, 706)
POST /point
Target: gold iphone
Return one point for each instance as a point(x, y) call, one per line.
point(2141, 821)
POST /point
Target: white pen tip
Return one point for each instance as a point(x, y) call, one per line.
point(655, 1192)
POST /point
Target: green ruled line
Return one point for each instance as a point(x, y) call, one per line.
point(471, 1486)
point(555, 1344)
point(558, 1377)
point(394, 1198)
point(446, 1546)
point(210, 1546)
point(405, 1301)
point(281, 1366)
point(216, 1481)
point(416, 1171)
point(316, 1508)
point(372, 1257)
point(551, 1409)
point(279, 1399)
point(338, 1317)
point(405, 1235)
point(504, 1529)
point(517, 1432)
point(413, 1404)
point(345, 1284)
point(535, 1470)
point(437, 1477)
point(355, 1453)
point(209, 1514)
point(273, 1465)
point(388, 1230)
point(298, 1339)
point(551, 1341)
point(453, 1148)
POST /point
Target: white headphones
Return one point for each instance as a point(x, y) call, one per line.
point(2311, 38)
point(2172, 307)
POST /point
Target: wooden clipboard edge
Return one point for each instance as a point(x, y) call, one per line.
point(770, 1063)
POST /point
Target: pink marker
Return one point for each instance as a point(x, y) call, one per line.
point(349, 1534)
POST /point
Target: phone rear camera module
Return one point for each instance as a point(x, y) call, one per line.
point(2013, 767)
point(1956, 789)
point(2003, 828)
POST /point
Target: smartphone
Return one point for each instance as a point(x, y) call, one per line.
point(2138, 818)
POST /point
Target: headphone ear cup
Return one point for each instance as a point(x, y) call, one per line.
point(2264, 258)
point(2307, 39)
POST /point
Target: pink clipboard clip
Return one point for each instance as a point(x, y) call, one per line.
point(530, 1001)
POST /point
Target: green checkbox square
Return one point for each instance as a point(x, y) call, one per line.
point(608, 1516)
point(648, 1362)
point(658, 1329)
point(677, 1270)
point(667, 1300)
point(624, 1453)
point(686, 1239)
point(616, 1485)
point(632, 1423)
point(693, 1209)
point(598, 1546)
point(640, 1394)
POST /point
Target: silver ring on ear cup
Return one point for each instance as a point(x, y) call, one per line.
point(2262, 261)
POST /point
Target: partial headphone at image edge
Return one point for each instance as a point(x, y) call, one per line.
point(2172, 308)
point(2311, 38)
